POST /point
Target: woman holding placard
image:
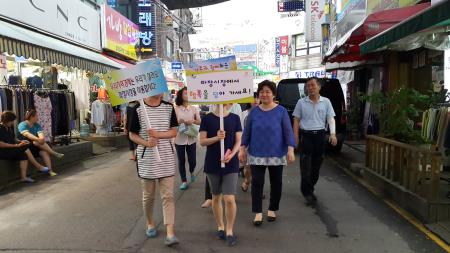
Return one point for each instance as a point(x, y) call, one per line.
point(268, 142)
point(223, 180)
point(186, 140)
point(151, 143)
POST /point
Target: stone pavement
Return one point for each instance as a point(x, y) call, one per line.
point(95, 207)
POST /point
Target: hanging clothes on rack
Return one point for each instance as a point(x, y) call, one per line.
point(43, 107)
point(56, 108)
point(103, 116)
point(435, 123)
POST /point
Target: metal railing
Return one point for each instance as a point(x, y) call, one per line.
point(416, 169)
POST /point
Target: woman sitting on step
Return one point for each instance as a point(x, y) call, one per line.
point(13, 149)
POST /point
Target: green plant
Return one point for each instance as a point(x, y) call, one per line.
point(398, 111)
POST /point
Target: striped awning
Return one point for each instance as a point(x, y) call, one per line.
point(30, 44)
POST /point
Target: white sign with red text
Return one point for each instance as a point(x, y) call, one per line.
point(315, 16)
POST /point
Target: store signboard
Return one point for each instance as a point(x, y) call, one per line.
point(136, 82)
point(211, 65)
point(71, 20)
point(314, 72)
point(380, 5)
point(284, 63)
point(176, 67)
point(447, 69)
point(118, 33)
point(315, 16)
point(353, 13)
point(221, 87)
point(146, 21)
point(277, 52)
point(284, 45)
point(291, 6)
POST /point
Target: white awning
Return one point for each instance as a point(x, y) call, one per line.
point(31, 44)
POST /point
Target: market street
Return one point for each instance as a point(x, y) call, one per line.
point(96, 207)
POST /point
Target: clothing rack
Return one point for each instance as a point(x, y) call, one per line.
point(64, 138)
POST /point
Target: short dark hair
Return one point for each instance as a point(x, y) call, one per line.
point(314, 78)
point(179, 99)
point(266, 83)
point(30, 113)
point(7, 116)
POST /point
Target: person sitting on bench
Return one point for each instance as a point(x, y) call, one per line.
point(31, 131)
point(13, 149)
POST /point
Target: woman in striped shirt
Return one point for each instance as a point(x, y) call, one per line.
point(164, 124)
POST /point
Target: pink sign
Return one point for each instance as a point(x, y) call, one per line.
point(284, 45)
point(119, 34)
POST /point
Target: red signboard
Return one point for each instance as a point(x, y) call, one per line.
point(284, 45)
point(119, 34)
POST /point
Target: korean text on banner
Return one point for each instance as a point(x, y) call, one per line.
point(284, 45)
point(137, 82)
point(212, 65)
point(221, 87)
point(315, 16)
point(119, 34)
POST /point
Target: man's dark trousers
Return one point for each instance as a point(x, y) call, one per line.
point(312, 145)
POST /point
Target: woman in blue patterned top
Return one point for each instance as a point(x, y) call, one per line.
point(267, 142)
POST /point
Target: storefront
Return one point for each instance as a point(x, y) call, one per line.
point(417, 49)
point(371, 72)
point(47, 58)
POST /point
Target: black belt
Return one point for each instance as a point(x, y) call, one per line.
point(320, 131)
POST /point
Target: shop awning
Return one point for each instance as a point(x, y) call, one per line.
point(177, 4)
point(121, 62)
point(434, 16)
point(347, 49)
point(30, 44)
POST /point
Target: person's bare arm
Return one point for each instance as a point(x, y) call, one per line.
point(33, 138)
point(169, 134)
point(296, 129)
point(136, 138)
point(7, 145)
point(205, 141)
point(236, 147)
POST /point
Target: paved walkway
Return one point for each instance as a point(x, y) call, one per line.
point(95, 207)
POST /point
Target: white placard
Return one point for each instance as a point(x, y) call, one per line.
point(221, 87)
point(69, 19)
point(315, 16)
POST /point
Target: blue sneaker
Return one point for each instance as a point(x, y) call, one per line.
point(45, 170)
point(183, 186)
point(151, 232)
point(171, 241)
point(193, 178)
